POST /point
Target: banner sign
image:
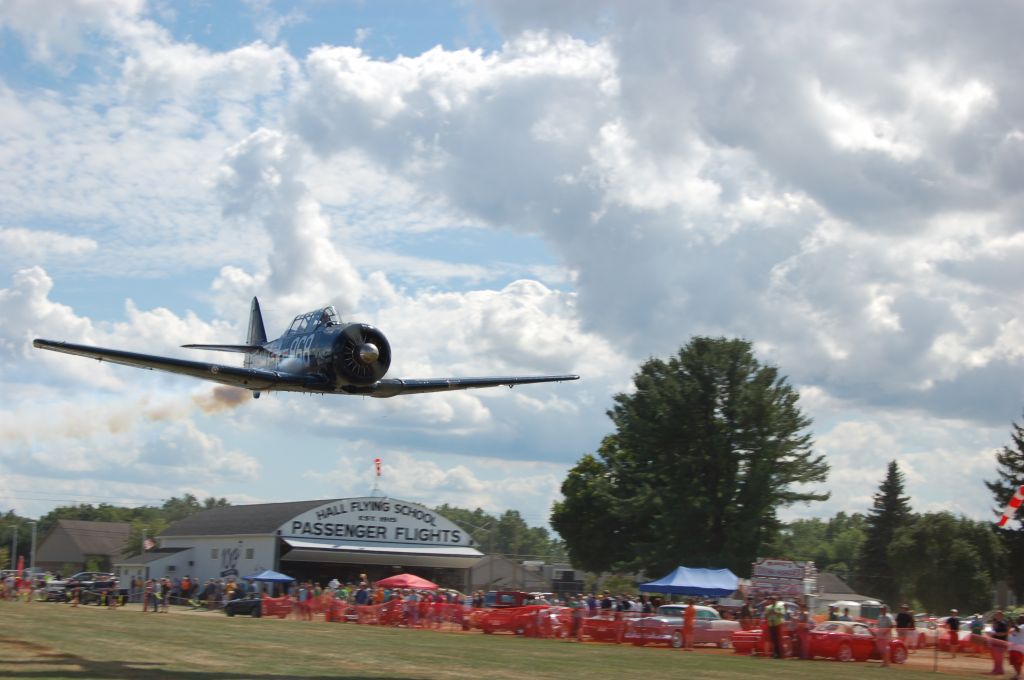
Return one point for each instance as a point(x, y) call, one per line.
point(373, 519)
point(779, 569)
point(761, 587)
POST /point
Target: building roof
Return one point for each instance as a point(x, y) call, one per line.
point(96, 538)
point(832, 584)
point(233, 520)
point(150, 556)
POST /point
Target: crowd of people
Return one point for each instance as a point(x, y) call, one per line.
point(785, 625)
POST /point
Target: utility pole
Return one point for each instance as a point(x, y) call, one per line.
point(32, 559)
point(14, 546)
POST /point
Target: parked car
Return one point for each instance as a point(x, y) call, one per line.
point(531, 620)
point(60, 590)
point(245, 606)
point(926, 633)
point(607, 628)
point(666, 626)
point(496, 599)
point(839, 640)
point(256, 606)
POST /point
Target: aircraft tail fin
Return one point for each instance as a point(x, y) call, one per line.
point(257, 333)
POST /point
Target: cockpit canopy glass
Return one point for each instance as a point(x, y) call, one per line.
point(304, 323)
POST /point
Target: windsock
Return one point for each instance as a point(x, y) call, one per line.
point(376, 461)
point(1011, 507)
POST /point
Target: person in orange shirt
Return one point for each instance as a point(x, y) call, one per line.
point(689, 620)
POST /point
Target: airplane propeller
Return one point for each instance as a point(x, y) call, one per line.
point(364, 355)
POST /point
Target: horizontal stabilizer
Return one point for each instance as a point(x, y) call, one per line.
point(244, 349)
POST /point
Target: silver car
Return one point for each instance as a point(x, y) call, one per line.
point(666, 627)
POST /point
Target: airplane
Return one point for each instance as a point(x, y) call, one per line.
point(318, 354)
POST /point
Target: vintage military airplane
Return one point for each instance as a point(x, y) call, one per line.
point(318, 353)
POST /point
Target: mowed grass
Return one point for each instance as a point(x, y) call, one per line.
point(42, 640)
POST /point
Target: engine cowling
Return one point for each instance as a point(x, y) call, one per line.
point(362, 355)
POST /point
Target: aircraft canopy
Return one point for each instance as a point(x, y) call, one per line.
point(304, 323)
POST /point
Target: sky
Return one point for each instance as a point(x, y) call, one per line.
point(505, 188)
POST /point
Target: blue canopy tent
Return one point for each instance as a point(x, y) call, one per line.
point(270, 576)
point(701, 582)
point(279, 583)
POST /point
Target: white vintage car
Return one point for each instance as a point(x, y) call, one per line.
point(666, 627)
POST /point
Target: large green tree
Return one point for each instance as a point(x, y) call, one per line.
point(890, 511)
point(706, 449)
point(947, 561)
point(1009, 477)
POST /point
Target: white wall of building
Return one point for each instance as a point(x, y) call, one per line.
point(222, 556)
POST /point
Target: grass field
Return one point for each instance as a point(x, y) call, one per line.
point(42, 640)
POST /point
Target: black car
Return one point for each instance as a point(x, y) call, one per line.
point(97, 591)
point(251, 605)
point(60, 590)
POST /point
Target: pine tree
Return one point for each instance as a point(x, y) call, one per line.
point(876, 575)
point(1010, 476)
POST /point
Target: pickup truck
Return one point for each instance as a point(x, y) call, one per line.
point(498, 599)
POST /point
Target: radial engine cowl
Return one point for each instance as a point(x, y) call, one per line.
point(362, 355)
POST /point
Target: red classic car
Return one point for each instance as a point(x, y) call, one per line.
point(839, 640)
point(532, 621)
point(665, 627)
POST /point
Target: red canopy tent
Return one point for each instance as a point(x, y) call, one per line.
point(406, 581)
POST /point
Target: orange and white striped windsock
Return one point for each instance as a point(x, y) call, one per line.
point(1011, 507)
point(376, 461)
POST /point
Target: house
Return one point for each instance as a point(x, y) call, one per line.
point(73, 544)
point(833, 589)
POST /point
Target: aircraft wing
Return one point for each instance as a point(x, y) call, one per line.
point(392, 387)
point(247, 378)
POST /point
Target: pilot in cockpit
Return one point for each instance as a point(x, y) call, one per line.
point(325, 318)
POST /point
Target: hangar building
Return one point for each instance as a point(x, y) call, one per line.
point(318, 540)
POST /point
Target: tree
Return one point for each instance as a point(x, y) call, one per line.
point(947, 561)
point(1010, 476)
point(508, 534)
point(706, 449)
point(890, 512)
point(832, 545)
point(13, 526)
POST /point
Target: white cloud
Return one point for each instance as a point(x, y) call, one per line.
point(841, 187)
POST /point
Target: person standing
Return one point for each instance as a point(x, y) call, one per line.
point(775, 616)
point(883, 634)
point(689, 621)
point(746, 614)
point(997, 642)
point(905, 625)
point(803, 632)
point(1016, 646)
point(953, 628)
